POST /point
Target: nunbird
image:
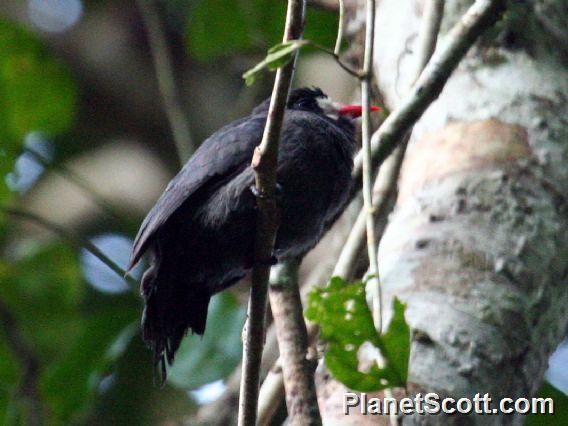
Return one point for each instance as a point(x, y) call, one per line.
point(200, 234)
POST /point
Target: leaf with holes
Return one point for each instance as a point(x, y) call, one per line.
point(346, 325)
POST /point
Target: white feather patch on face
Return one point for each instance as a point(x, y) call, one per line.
point(330, 108)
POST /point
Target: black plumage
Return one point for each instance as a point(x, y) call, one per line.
point(201, 231)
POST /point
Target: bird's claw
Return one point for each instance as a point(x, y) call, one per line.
point(256, 192)
point(260, 194)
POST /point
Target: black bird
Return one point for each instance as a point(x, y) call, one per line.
point(201, 231)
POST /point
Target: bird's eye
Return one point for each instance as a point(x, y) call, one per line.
point(303, 103)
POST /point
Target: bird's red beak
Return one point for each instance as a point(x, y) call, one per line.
point(354, 111)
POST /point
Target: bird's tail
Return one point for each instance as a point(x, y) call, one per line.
point(173, 305)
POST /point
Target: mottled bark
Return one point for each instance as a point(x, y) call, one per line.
point(477, 244)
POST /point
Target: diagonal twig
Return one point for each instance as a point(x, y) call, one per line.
point(385, 185)
point(428, 35)
point(73, 239)
point(384, 194)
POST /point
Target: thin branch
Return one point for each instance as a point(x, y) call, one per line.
point(374, 279)
point(73, 239)
point(347, 68)
point(163, 64)
point(264, 163)
point(297, 368)
point(221, 411)
point(385, 187)
point(480, 16)
point(427, 44)
point(340, 28)
point(271, 394)
point(271, 397)
point(273, 390)
point(428, 35)
point(385, 184)
point(29, 383)
point(384, 193)
point(330, 5)
point(372, 242)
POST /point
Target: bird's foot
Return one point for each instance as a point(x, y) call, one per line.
point(260, 194)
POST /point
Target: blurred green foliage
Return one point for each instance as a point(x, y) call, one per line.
point(226, 27)
point(68, 327)
point(92, 366)
point(346, 324)
point(37, 93)
point(78, 334)
point(60, 339)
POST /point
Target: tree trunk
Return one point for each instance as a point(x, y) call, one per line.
point(477, 244)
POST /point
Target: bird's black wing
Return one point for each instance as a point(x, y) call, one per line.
point(220, 155)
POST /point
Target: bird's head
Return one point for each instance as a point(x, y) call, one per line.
point(314, 100)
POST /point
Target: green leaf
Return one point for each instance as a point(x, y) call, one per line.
point(202, 360)
point(282, 53)
point(346, 324)
point(396, 341)
point(277, 57)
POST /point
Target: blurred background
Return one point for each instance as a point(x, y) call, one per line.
point(86, 147)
